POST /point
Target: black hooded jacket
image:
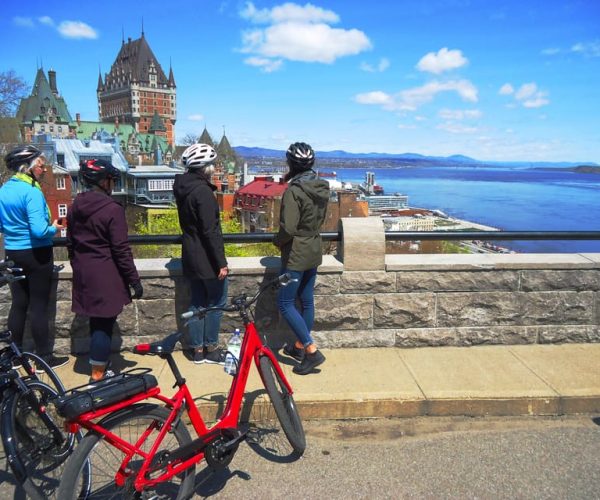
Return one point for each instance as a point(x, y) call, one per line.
point(203, 251)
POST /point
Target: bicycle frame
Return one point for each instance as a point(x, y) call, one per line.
point(192, 453)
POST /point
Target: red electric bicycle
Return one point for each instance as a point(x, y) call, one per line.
point(142, 450)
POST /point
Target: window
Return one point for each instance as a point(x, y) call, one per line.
point(63, 233)
point(160, 184)
point(61, 183)
point(62, 210)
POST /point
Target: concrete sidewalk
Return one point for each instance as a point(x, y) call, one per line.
point(394, 382)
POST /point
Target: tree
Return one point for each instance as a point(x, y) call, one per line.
point(12, 89)
point(189, 139)
point(168, 223)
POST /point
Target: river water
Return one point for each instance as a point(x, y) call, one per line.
point(509, 198)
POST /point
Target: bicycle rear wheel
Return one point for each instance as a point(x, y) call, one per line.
point(105, 460)
point(284, 405)
point(36, 457)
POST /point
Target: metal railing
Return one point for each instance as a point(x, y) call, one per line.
point(173, 239)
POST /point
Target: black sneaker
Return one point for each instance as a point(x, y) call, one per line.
point(53, 361)
point(294, 352)
point(198, 357)
point(215, 357)
point(309, 362)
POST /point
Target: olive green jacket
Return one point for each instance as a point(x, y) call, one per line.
point(303, 210)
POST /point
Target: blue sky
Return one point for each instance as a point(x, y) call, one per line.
point(502, 80)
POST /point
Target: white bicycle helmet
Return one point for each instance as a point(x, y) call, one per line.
point(198, 156)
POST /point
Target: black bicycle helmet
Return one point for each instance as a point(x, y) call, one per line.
point(21, 155)
point(94, 171)
point(300, 156)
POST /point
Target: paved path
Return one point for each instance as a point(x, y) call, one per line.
point(394, 382)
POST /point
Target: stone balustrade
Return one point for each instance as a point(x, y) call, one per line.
point(365, 298)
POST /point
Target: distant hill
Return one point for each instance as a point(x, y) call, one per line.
point(414, 159)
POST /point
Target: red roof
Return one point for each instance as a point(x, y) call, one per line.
point(261, 187)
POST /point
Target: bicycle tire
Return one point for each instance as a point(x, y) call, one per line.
point(41, 371)
point(284, 405)
point(105, 459)
point(36, 460)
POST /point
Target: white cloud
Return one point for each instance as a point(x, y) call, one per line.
point(525, 91)
point(47, 20)
point(531, 97)
point(375, 97)
point(289, 12)
point(67, 29)
point(441, 61)
point(456, 128)
point(404, 126)
point(196, 118)
point(25, 22)
point(551, 51)
point(265, 64)
point(411, 99)
point(589, 49)
point(459, 114)
point(298, 33)
point(77, 29)
point(527, 95)
point(383, 64)
point(306, 42)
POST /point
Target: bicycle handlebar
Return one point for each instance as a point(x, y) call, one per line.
point(7, 272)
point(241, 302)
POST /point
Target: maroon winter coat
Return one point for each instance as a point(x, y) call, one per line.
point(100, 255)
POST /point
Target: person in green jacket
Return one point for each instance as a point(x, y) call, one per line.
point(303, 210)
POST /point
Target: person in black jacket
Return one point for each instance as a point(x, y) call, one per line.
point(101, 258)
point(203, 250)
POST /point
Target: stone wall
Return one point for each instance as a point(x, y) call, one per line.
point(385, 300)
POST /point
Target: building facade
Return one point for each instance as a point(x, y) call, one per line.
point(137, 91)
point(44, 111)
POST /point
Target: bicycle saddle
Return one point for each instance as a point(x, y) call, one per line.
point(164, 346)
point(5, 336)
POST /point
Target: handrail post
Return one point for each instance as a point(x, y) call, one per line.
point(363, 244)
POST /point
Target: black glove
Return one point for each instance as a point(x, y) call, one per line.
point(138, 290)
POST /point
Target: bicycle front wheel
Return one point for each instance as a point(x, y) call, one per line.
point(284, 405)
point(30, 425)
point(37, 369)
point(138, 425)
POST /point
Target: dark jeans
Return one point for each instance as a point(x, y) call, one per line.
point(300, 323)
point(205, 293)
point(33, 294)
point(101, 334)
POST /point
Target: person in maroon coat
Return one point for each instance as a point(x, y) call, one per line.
point(102, 262)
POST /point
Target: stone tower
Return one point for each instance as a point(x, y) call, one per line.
point(137, 91)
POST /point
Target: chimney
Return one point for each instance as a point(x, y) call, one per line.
point(52, 82)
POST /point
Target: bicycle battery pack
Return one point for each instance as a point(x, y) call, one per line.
point(103, 393)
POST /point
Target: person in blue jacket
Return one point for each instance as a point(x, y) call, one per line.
point(25, 222)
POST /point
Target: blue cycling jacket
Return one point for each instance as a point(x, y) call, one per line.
point(24, 218)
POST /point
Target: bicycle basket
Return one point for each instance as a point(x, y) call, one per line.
point(106, 392)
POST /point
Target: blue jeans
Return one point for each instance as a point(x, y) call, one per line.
point(101, 332)
point(206, 293)
point(300, 323)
